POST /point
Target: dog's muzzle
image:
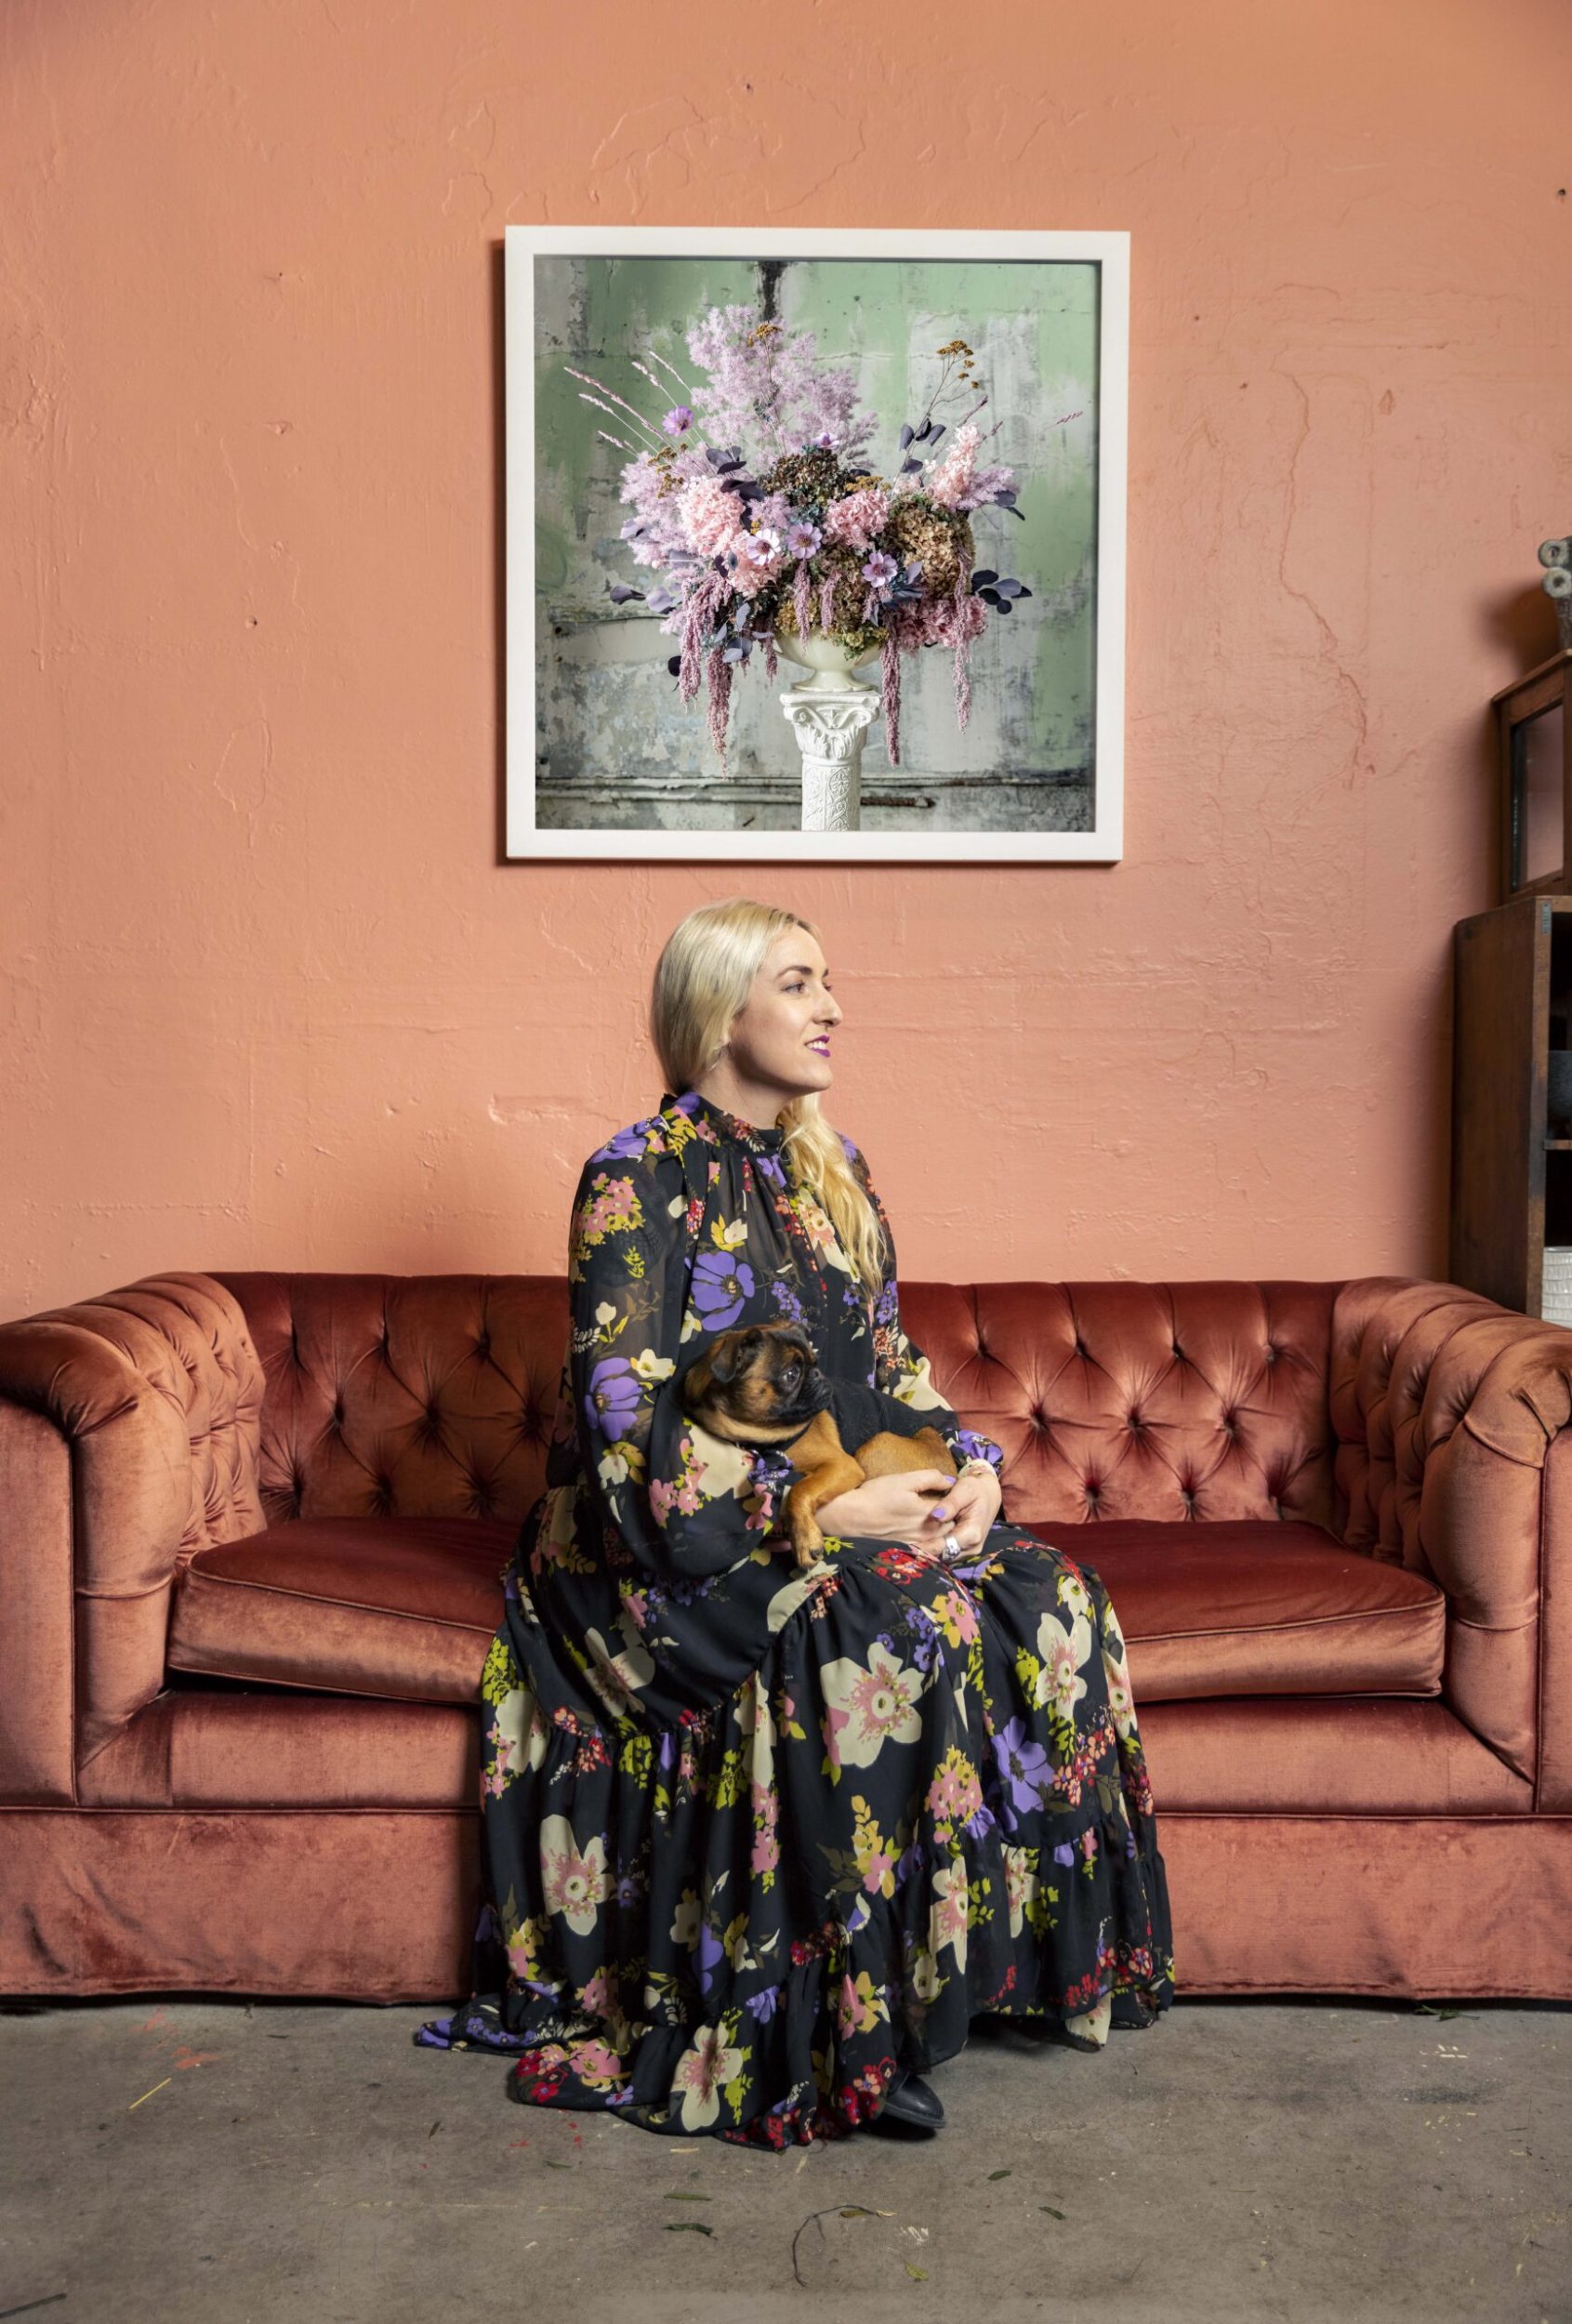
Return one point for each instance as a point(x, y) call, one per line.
point(814, 1396)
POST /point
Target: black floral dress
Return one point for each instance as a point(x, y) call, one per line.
point(755, 1839)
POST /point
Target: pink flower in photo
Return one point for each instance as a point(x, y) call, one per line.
point(854, 521)
point(755, 560)
point(712, 516)
point(947, 479)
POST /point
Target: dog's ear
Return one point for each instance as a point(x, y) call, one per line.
point(730, 1355)
point(792, 1336)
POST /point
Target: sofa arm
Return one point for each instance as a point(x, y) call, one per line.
point(129, 1430)
point(1450, 1414)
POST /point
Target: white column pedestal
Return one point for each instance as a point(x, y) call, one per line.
point(831, 723)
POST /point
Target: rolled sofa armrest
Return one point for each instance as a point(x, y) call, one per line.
point(129, 1435)
point(1450, 1415)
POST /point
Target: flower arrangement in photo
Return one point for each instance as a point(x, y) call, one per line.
point(798, 533)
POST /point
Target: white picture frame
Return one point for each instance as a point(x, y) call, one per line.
point(535, 825)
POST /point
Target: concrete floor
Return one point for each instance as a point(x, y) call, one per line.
point(217, 2161)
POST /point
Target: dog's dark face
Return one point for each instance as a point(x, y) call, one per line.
point(756, 1384)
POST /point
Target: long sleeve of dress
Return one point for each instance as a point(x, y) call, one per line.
point(681, 1500)
point(901, 1367)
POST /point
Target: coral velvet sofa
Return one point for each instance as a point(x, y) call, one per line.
point(252, 1527)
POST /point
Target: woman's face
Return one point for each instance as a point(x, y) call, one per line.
point(780, 1037)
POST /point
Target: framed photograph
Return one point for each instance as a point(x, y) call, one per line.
point(816, 543)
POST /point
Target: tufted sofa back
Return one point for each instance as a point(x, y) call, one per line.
point(403, 1395)
point(1154, 1401)
point(433, 1395)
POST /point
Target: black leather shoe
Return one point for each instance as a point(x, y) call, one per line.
point(910, 2102)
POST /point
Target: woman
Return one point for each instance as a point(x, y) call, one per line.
point(759, 1843)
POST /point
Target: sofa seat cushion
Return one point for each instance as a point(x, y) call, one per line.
point(401, 1607)
point(407, 1608)
point(1242, 1606)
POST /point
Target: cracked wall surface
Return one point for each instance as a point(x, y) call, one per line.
point(269, 996)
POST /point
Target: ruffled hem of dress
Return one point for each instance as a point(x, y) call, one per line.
point(793, 2039)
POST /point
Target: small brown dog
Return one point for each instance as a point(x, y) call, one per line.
point(762, 1385)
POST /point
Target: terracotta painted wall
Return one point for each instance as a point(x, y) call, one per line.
point(271, 998)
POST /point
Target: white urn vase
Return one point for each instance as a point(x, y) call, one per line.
point(829, 711)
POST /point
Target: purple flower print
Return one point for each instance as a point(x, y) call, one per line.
point(1022, 1762)
point(678, 419)
point(970, 1446)
point(763, 2006)
point(925, 1637)
point(712, 1953)
point(721, 1286)
point(625, 1147)
point(788, 1303)
point(612, 1396)
point(1063, 1853)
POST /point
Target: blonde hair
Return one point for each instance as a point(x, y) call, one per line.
point(702, 979)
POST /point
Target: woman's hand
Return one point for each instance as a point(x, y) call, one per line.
point(892, 1509)
point(965, 1513)
point(903, 1508)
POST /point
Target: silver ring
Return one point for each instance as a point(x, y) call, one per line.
point(952, 1545)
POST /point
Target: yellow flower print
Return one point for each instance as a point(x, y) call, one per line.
point(596, 2065)
point(523, 1951)
point(501, 1673)
point(859, 2006)
point(956, 1617)
point(876, 1857)
point(612, 1206)
point(954, 1795)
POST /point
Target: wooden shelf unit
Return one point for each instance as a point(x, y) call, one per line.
point(1512, 1181)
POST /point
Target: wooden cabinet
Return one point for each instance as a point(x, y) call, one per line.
point(1533, 801)
point(1511, 1102)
